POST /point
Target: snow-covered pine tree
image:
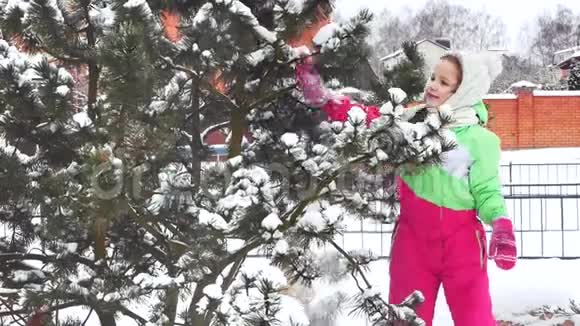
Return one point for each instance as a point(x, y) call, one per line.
point(408, 74)
point(114, 207)
point(574, 77)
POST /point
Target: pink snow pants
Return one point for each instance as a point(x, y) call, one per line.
point(435, 246)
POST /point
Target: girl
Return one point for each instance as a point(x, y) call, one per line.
point(439, 238)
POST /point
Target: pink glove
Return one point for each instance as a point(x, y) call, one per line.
point(502, 246)
point(316, 95)
point(308, 79)
point(337, 110)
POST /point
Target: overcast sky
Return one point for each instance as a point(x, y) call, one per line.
point(515, 13)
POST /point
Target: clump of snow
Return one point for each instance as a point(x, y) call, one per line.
point(201, 16)
point(252, 85)
point(333, 213)
point(212, 219)
point(213, 291)
point(150, 281)
point(25, 276)
point(235, 161)
point(71, 247)
point(326, 33)
point(64, 76)
point(524, 83)
point(319, 149)
point(289, 139)
point(102, 17)
point(82, 119)
point(28, 76)
point(311, 166)
point(397, 95)
point(110, 297)
point(299, 52)
point(381, 155)
point(298, 153)
point(245, 13)
point(258, 56)
point(387, 108)
point(134, 3)
point(281, 247)
point(73, 169)
point(8, 291)
point(62, 90)
point(271, 222)
point(357, 115)
point(312, 219)
point(13, 4)
point(206, 54)
point(264, 270)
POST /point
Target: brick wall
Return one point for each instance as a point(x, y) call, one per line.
point(535, 119)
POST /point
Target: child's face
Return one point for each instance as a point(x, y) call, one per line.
point(443, 83)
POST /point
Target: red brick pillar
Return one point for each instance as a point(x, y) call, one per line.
point(525, 123)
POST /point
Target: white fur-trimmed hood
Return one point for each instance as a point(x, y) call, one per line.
point(479, 71)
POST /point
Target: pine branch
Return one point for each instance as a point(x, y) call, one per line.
point(353, 262)
point(196, 319)
point(131, 314)
point(271, 97)
point(291, 218)
point(65, 58)
point(196, 141)
point(88, 315)
point(4, 257)
point(229, 279)
point(13, 313)
point(49, 309)
point(204, 83)
point(239, 9)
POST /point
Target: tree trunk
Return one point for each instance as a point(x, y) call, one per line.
point(238, 126)
point(171, 301)
point(195, 135)
point(107, 318)
point(195, 319)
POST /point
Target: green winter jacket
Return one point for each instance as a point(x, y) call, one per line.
point(469, 177)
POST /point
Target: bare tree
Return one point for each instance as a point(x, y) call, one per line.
point(489, 31)
point(467, 29)
point(555, 33)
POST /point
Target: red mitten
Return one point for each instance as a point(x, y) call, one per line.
point(316, 95)
point(502, 247)
point(337, 110)
point(308, 79)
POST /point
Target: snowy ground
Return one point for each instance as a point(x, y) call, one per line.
point(513, 292)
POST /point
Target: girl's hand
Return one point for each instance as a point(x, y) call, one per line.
point(502, 247)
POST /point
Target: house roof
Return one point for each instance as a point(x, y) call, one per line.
point(572, 49)
point(567, 63)
point(400, 51)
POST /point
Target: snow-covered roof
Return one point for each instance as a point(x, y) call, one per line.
point(565, 64)
point(556, 93)
point(524, 83)
point(503, 96)
point(572, 49)
point(400, 51)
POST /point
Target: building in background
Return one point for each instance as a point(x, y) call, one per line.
point(432, 50)
point(565, 60)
